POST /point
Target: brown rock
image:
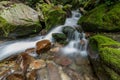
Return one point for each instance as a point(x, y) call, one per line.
point(37, 64)
point(42, 46)
point(30, 50)
point(53, 71)
point(15, 77)
point(24, 60)
point(43, 32)
point(32, 75)
point(63, 60)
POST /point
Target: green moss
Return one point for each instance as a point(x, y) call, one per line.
point(102, 18)
point(108, 51)
point(53, 15)
point(112, 74)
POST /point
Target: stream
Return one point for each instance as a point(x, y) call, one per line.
point(69, 63)
point(14, 47)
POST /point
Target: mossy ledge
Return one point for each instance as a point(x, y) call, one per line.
point(102, 19)
point(108, 60)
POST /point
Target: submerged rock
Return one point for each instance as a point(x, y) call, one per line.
point(102, 19)
point(17, 19)
point(107, 64)
point(43, 46)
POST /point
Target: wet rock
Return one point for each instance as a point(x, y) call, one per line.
point(64, 76)
point(43, 46)
point(74, 75)
point(30, 50)
point(63, 60)
point(68, 31)
point(42, 74)
point(53, 71)
point(15, 77)
point(59, 37)
point(43, 32)
point(37, 64)
point(55, 50)
point(32, 75)
point(24, 60)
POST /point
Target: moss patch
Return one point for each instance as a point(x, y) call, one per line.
point(109, 54)
point(53, 15)
point(102, 18)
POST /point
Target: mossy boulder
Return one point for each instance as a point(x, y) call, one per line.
point(17, 19)
point(53, 15)
point(107, 63)
point(59, 37)
point(102, 19)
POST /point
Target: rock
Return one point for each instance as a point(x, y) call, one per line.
point(101, 19)
point(53, 15)
point(43, 32)
point(30, 50)
point(63, 60)
point(32, 75)
point(24, 60)
point(15, 77)
point(42, 74)
point(14, 17)
point(59, 37)
point(37, 64)
point(53, 71)
point(107, 64)
point(68, 31)
point(43, 46)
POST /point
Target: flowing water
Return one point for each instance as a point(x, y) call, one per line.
point(14, 47)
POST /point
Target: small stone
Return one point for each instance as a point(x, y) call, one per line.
point(43, 46)
point(37, 64)
point(63, 60)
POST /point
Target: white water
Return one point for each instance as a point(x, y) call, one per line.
point(14, 47)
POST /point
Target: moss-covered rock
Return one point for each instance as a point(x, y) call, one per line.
point(59, 37)
point(102, 18)
point(108, 61)
point(53, 15)
point(17, 19)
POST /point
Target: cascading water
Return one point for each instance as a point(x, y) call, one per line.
point(75, 45)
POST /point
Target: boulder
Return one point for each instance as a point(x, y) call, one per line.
point(68, 31)
point(53, 15)
point(42, 46)
point(107, 63)
point(101, 19)
point(17, 19)
point(59, 37)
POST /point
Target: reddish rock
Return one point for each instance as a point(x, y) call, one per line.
point(63, 60)
point(43, 46)
point(37, 64)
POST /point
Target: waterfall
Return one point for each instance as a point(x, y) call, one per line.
point(75, 46)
